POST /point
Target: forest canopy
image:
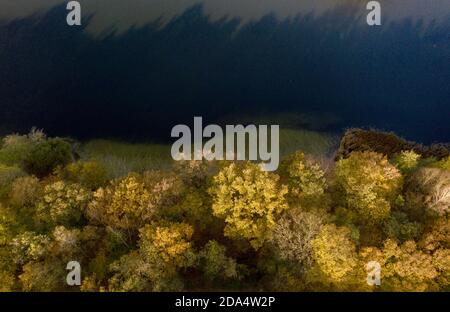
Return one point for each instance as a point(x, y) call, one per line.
point(312, 225)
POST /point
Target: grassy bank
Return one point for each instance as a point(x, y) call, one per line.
point(120, 158)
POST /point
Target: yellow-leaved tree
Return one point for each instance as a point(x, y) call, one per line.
point(369, 185)
point(62, 203)
point(306, 181)
point(124, 204)
point(164, 249)
point(170, 243)
point(407, 268)
point(249, 200)
point(336, 259)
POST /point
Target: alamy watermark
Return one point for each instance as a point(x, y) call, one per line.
point(374, 16)
point(73, 278)
point(373, 273)
point(74, 15)
point(236, 142)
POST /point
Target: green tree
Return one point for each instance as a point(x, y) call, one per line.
point(398, 226)
point(129, 273)
point(46, 156)
point(164, 250)
point(15, 148)
point(305, 179)
point(443, 163)
point(407, 161)
point(215, 264)
point(90, 174)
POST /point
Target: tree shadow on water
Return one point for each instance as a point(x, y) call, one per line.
point(140, 83)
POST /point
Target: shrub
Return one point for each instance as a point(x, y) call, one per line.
point(359, 140)
point(46, 156)
point(16, 147)
point(443, 164)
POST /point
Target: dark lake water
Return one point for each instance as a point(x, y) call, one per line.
point(136, 70)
